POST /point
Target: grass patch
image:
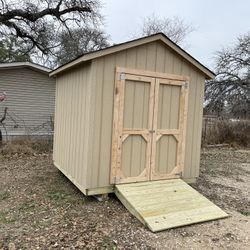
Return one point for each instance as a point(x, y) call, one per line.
point(61, 197)
point(61, 191)
point(57, 196)
point(246, 213)
point(5, 219)
point(27, 205)
point(4, 195)
point(107, 243)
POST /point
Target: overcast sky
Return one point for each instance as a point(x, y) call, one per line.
point(217, 22)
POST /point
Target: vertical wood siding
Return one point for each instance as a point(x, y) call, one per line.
point(71, 138)
point(30, 101)
point(155, 57)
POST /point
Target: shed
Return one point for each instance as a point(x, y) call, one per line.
point(129, 113)
point(30, 99)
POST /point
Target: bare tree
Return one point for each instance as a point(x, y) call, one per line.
point(231, 88)
point(38, 22)
point(174, 28)
point(13, 50)
point(81, 41)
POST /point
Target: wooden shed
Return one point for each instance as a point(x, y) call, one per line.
point(129, 113)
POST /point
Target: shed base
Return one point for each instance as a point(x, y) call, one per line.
point(111, 188)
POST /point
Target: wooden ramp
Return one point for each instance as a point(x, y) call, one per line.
point(167, 204)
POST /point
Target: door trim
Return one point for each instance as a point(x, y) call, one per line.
point(154, 74)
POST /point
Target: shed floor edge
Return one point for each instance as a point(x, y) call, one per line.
point(87, 191)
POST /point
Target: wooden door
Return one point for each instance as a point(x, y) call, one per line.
point(133, 118)
point(148, 127)
point(169, 126)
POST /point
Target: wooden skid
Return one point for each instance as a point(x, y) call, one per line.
point(167, 204)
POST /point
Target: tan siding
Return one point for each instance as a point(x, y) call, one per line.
point(151, 56)
point(198, 129)
point(190, 125)
point(30, 100)
point(71, 124)
point(97, 110)
point(102, 120)
point(106, 118)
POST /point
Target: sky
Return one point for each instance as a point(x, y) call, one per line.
point(217, 23)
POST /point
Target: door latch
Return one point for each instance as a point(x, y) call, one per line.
point(152, 131)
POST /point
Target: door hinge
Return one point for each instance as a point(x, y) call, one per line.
point(179, 174)
point(185, 85)
point(122, 76)
point(117, 179)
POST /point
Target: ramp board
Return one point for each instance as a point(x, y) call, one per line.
point(167, 204)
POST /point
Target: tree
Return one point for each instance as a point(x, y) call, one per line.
point(37, 23)
point(230, 89)
point(81, 41)
point(174, 28)
point(12, 50)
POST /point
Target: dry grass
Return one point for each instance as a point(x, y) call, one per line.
point(234, 133)
point(26, 146)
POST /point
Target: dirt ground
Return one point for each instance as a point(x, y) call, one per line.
point(41, 209)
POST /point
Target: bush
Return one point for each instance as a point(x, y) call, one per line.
point(233, 132)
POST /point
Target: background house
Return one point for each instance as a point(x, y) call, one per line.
point(30, 99)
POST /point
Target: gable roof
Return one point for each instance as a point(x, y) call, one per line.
point(133, 43)
point(30, 65)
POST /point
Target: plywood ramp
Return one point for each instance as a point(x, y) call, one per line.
point(167, 204)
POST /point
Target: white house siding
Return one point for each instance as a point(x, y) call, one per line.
point(30, 101)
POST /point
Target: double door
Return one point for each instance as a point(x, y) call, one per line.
point(150, 112)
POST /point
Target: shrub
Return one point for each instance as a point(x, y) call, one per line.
point(233, 132)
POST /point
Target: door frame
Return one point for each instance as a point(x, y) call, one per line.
point(119, 134)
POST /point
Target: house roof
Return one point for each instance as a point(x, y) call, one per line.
point(133, 43)
point(33, 66)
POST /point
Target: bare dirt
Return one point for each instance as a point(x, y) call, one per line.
point(41, 209)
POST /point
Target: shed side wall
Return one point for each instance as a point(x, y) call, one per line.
point(154, 57)
point(71, 138)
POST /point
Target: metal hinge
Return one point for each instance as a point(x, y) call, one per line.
point(185, 85)
point(117, 179)
point(122, 76)
point(179, 174)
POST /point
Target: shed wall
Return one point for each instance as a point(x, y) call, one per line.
point(71, 138)
point(154, 57)
point(30, 101)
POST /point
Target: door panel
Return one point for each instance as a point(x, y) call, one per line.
point(134, 122)
point(168, 124)
point(136, 104)
point(134, 153)
point(166, 154)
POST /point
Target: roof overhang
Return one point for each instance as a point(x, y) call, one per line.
point(134, 43)
point(30, 65)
